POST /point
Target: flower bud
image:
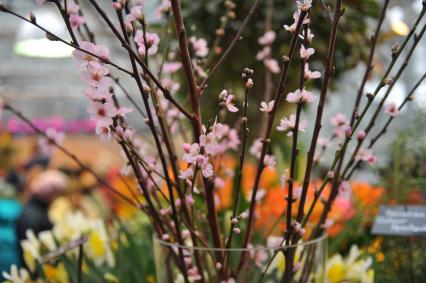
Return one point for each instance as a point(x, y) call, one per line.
point(117, 6)
point(330, 174)
point(249, 83)
point(236, 230)
point(348, 132)
point(361, 135)
point(234, 220)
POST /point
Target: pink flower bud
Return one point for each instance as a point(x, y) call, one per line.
point(165, 237)
point(348, 132)
point(237, 230)
point(116, 6)
point(361, 135)
point(186, 147)
point(234, 220)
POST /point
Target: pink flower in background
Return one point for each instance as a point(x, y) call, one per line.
point(288, 125)
point(86, 59)
point(77, 20)
point(136, 12)
point(233, 139)
point(52, 137)
point(102, 111)
point(171, 85)
point(72, 7)
point(186, 174)
point(272, 65)
point(298, 96)
point(40, 2)
point(152, 41)
point(267, 106)
point(200, 46)
point(229, 105)
point(392, 109)
point(264, 53)
point(339, 120)
point(171, 67)
point(268, 38)
point(270, 161)
point(122, 111)
point(309, 75)
point(365, 154)
point(164, 8)
point(256, 148)
point(304, 5)
point(305, 53)
point(324, 142)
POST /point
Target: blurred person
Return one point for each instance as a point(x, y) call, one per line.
point(10, 208)
point(43, 190)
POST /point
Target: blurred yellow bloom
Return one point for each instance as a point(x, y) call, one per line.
point(56, 274)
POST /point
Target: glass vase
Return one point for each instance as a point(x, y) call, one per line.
point(303, 262)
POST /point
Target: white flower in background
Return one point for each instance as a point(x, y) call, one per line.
point(268, 38)
point(31, 250)
point(267, 106)
point(17, 276)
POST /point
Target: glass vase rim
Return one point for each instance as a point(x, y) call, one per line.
point(254, 248)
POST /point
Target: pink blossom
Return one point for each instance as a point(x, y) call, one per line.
point(198, 69)
point(264, 53)
point(96, 76)
point(188, 173)
point(191, 152)
point(53, 137)
point(268, 38)
point(229, 105)
point(171, 67)
point(136, 12)
point(366, 155)
point(267, 106)
point(298, 96)
point(200, 46)
point(72, 7)
point(296, 16)
point(102, 111)
point(288, 125)
point(339, 120)
point(305, 53)
point(122, 111)
point(256, 148)
point(272, 65)
point(77, 20)
point(171, 85)
point(304, 5)
point(97, 94)
point(103, 129)
point(392, 109)
point(98, 50)
point(152, 41)
point(309, 36)
point(164, 8)
point(233, 139)
point(40, 2)
point(269, 161)
point(309, 75)
point(324, 142)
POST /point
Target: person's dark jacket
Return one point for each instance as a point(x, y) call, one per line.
point(34, 216)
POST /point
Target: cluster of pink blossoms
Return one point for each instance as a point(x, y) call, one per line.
point(72, 10)
point(101, 108)
point(214, 142)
